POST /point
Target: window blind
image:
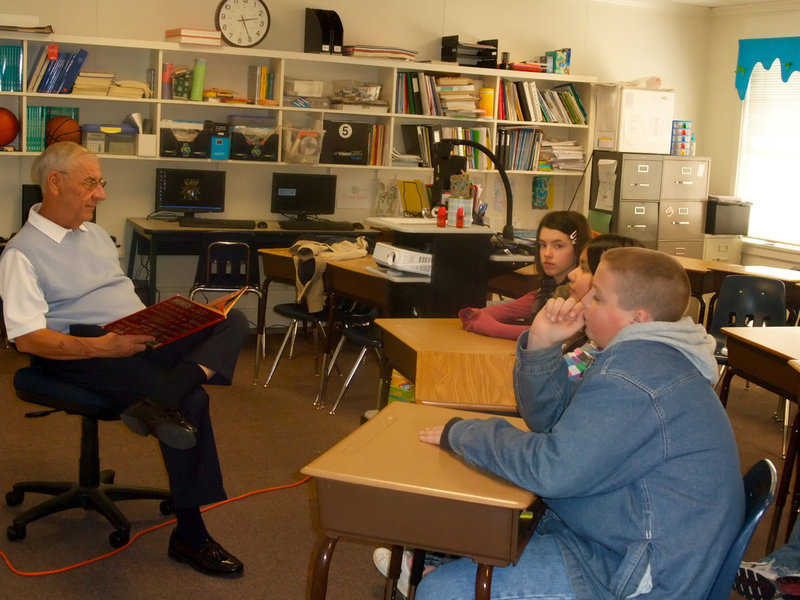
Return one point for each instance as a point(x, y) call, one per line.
point(768, 173)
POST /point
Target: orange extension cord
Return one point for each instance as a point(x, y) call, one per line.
point(141, 533)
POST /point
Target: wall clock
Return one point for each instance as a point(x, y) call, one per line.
point(243, 23)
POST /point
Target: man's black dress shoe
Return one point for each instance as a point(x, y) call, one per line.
point(148, 418)
point(211, 559)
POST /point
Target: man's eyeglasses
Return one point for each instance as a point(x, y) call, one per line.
point(90, 183)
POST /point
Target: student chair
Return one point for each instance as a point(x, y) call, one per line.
point(746, 301)
point(365, 337)
point(95, 489)
point(297, 313)
point(759, 490)
point(227, 264)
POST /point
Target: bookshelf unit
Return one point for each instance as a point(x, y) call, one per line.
point(228, 68)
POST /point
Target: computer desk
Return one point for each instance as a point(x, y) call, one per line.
point(382, 484)
point(153, 238)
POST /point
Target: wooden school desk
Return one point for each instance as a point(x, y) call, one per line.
point(449, 366)
point(382, 484)
point(762, 355)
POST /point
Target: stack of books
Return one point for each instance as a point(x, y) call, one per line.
point(459, 96)
point(379, 52)
point(129, 89)
point(183, 35)
point(564, 155)
point(92, 83)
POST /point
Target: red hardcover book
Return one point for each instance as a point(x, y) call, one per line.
point(174, 318)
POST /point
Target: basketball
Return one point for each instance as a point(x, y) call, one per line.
point(9, 127)
point(62, 129)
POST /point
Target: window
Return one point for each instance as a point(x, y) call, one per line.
point(769, 155)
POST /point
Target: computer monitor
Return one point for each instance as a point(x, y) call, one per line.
point(190, 190)
point(299, 195)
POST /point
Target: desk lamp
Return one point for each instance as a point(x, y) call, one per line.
point(441, 152)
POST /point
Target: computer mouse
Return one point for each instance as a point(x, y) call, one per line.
point(358, 226)
point(261, 225)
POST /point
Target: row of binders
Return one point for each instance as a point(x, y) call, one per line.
point(10, 68)
point(37, 117)
point(518, 148)
point(419, 139)
point(523, 101)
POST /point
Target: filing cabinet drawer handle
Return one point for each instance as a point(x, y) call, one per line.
point(679, 182)
point(637, 226)
point(680, 223)
point(640, 185)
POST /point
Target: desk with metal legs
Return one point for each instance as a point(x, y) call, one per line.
point(761, 355)
point(383, 485)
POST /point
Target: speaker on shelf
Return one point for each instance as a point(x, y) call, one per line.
point(324, 31)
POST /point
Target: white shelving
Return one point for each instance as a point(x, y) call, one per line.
point(227, 68)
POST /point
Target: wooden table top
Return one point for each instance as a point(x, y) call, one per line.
point(386, 453)
point(783, 342)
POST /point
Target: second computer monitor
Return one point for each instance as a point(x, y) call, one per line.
point(302, 194)
point(190, 191)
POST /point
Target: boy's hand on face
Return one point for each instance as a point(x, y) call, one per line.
point(558, 321)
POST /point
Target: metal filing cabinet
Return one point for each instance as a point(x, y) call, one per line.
point(682, 206)
point(658, 199)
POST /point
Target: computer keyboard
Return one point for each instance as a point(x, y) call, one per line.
point(314, 225)
point(217, 223)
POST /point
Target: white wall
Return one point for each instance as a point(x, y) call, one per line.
point(692, 49)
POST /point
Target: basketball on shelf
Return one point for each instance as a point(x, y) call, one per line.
point(62, 129)
point(9, 127)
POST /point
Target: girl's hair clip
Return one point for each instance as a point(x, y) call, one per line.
point(573, 237)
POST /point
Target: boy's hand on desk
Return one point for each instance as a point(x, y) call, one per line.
point(558, 321)
point(431, 435)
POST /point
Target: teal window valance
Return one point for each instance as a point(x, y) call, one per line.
point(765, 51)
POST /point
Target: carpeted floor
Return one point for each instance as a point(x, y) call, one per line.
point(264, 436)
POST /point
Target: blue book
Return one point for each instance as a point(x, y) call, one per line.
point(72, 71)
point(51, 73)
point(55, 86)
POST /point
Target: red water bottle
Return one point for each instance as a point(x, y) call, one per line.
point(441, 217)
point(460, 217)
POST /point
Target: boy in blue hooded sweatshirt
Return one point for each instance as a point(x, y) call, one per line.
point(637, 461)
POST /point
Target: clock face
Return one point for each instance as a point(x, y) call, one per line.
point(242, 22)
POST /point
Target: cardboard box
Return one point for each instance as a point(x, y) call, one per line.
point(184, 139)
point(345, 143)
point(146, 144)
point(253, 138)
point(109, 139)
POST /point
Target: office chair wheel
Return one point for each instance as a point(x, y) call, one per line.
point(166, 508)
point(119, 538)
point(14, 498)
point(16, 532)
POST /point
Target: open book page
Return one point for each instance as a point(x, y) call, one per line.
point(174, 318)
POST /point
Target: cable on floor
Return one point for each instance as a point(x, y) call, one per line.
point(143, 532)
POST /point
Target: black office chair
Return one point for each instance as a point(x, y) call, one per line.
point(759, 489)
point(227, 264)
point(95, 489)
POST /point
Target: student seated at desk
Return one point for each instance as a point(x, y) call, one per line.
point(633, 460)
point(561, 236)
point(579, 353)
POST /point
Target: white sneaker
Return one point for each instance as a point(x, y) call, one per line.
point(381, 558)
point(756, 581)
